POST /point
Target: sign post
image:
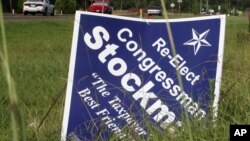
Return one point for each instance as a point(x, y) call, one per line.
point(141, 12)
point(102, 6)
point(172, 6)
point(219, 7)
point(200, 6)
point(179, 1)
point(123, 75)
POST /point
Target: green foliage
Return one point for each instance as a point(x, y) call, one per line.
point(19, 6)
point(195, 8)
point(122, 4)
point(67, 6)
point(70, 5)
point(248, 14)
point(249, 27)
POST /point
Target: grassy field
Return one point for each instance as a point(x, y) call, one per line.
point(39, 55)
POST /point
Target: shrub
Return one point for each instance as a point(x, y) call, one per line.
point(195, 8)
point(67, 6)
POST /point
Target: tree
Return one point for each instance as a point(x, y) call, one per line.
point(67, 6)
point(6, 6)
point(18, 5)
point(137, 3)
point(122, 4)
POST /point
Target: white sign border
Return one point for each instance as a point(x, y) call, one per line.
point(70, 77)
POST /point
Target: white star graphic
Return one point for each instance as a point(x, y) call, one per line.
point(198, 40)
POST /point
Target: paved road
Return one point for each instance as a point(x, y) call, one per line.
point(11, 17)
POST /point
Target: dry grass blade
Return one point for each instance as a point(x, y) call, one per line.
point(169, 31)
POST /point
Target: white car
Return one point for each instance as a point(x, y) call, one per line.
point(38, 6)
point(154, 10)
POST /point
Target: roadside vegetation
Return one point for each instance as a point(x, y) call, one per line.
point(38, 59)
point(188, 6)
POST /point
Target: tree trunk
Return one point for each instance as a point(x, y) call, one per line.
point(121, 4)
point(137, 3)
point(10, 6)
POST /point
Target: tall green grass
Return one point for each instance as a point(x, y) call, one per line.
point(39, 55)
point(173, 48)
point(38, 60)
point(17, 121)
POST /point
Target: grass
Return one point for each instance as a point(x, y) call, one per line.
point(234, 105)
point(17, 122)
point(39, 56)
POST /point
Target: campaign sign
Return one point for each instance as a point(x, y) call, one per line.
point(126, 75)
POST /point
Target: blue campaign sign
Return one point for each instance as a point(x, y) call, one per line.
point(126, 73)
